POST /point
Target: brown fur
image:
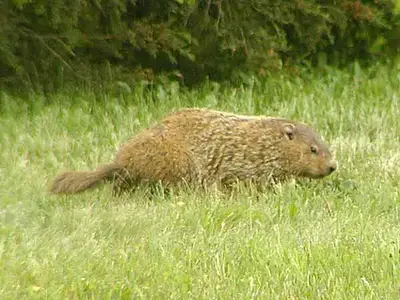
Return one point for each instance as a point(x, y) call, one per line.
point(201, 147)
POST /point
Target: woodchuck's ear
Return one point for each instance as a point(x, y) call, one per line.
point(288, 131)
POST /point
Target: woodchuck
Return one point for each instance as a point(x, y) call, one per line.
point(201, 147)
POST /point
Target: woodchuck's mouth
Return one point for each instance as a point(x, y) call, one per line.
point(317, 174)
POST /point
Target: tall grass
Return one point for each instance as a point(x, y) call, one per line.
point(334, 238)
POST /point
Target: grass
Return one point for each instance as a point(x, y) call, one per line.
point(334, 238)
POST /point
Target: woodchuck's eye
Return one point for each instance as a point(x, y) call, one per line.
point(314, 150)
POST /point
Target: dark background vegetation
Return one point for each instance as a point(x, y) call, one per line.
point(49, 44)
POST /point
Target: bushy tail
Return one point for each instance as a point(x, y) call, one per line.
point(72, 182)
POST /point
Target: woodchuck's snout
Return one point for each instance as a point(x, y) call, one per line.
point(308, 154)
point(201, 146)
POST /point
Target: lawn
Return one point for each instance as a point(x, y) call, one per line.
point(334, 238)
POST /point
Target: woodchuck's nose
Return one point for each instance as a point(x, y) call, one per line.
point(332, 167)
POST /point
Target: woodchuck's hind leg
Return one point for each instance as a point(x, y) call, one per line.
point(123, 183)
point(159, 160)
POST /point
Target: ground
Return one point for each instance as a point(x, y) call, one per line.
point(334, 238)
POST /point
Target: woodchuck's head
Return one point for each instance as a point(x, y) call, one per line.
point(305, 153)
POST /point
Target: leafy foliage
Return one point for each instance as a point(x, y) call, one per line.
point(48, 43)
